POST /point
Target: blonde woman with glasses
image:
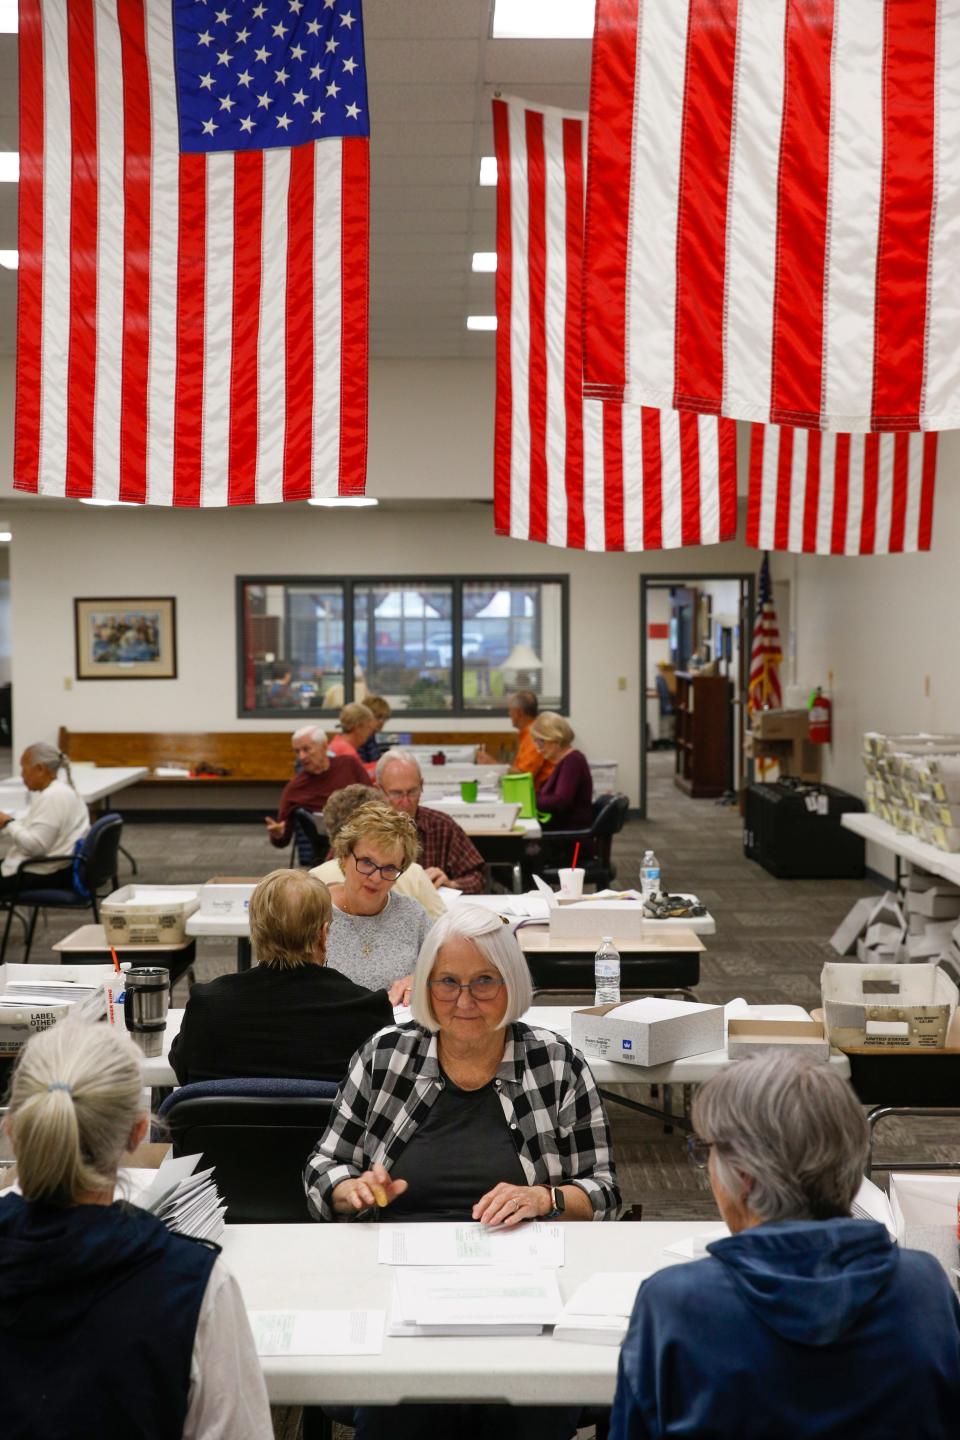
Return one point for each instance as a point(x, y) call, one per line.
point(375, 934)
point(110, 1325)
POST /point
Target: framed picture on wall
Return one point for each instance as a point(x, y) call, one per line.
point(126, 639)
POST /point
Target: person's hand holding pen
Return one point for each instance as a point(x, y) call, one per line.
point(373, 1187)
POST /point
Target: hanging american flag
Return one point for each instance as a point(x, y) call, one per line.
point(773, 208)
point(828, 494)
point(194, 219)
point(763, 689)
point(583, 474)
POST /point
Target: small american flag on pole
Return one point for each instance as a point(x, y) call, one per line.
point(763, 690)
point(585, 474)
point(194, 219)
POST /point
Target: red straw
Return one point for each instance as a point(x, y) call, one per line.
point(116, 962)
point(576, 852)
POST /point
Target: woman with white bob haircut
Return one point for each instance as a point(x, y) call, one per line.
point(804, 1322)
point(110, 1324)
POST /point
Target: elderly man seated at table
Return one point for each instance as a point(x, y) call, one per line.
point(54, 820)
point(319, 775)
point(523, 708)
point(467, 1114)
point(413, 882)
point(804, 1322)
point(446, 851)
point(292, 1015)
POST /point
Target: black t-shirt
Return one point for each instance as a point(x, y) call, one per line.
point(463, 1149)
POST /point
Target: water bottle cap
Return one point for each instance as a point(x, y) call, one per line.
point(607, 939)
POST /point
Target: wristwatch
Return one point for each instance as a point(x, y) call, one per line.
point(558, 1201)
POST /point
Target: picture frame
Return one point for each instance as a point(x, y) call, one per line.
point(125, 638)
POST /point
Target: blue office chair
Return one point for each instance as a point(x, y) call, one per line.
point(258, 1135)
point(310, 840)
point(94, 865)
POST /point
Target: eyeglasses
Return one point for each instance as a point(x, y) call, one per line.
point(367, 867)
point(699, 1151)
point(403, 794)
point(484, 987)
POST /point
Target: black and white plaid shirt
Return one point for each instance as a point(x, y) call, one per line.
point(549, 1099)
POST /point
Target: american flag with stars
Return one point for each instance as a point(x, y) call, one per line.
point(194, 250)
point(763, 689)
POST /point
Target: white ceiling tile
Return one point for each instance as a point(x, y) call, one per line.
point(435, 103)
point(398, 19)
point(388, 171)
point(509, 63)
point(393, 198)
point(426, 140)
point(421, 61)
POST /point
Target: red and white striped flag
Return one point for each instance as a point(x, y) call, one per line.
point(583, 474)
point(840, 494)
point(773, 210)
point(763, 688)
point(193, 285)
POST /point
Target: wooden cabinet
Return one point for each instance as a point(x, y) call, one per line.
point(703, 712)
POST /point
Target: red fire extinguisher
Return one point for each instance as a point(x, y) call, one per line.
point(821, 718)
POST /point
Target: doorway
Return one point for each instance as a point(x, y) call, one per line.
point(694, 625)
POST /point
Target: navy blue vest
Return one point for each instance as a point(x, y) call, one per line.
point(98, 1313)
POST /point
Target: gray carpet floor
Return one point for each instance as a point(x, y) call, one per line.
point(771, 942)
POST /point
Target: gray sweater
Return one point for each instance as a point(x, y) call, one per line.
point(375, 950)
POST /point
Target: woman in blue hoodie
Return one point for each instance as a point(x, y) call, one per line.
point(804, 1322)
point(111, 1327)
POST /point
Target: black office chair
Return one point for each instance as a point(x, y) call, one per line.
point(311, 843)
point(258, 1135)
point(665, 730)
point(555, 849)
point(94, 866)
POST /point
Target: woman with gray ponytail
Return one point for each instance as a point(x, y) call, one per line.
point(56, 818)
point(110, 1324)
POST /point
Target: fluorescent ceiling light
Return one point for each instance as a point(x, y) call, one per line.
point(484, 261)
point(488, 169)
point(8, 17)
point(9, 164)
point(481, 322)
point(105, 504)
point(543, 19)
point(336, 502)
point(5, 535)
point(9, 259)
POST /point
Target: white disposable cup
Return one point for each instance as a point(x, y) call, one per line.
point(571, 883)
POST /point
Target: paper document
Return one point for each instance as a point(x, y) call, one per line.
point(526, 1246)
point(457, 1300)
point(611, 1292)
point(318, 1332)
point(694, 1247)
point(870, 1203)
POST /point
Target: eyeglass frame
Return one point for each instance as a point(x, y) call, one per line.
point(376, 869)
point(448, 982)
point(404, 794)
point(699, 1151)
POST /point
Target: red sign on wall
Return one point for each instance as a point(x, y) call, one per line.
point(657, 631)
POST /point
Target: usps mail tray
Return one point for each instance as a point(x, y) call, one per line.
point(591, 919)
point(647, 1032)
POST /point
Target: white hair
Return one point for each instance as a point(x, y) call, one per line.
point(397, 756)
point(495, 941)
point(311, 732)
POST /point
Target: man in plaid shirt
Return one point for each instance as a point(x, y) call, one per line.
point(447, 853)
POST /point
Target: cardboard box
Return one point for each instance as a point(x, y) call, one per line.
point(899, 1007)
point(225, 900)
point(933, 902)
point(844, 938)
point(795, 1036)
point(592, 919)
point(649, 1032)
point(925, 1214)
point(781, 724)
point(148, 914)
point(484, 814)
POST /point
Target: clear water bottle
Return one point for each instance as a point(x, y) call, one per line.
point(606, 973)
point(649, 876)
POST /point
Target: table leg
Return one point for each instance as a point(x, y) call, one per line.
point(679, 1121)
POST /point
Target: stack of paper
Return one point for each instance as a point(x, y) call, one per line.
point(473, 1300)
point(599, 1310)
point(533, 1245)
point(694, 1247)
point(185, 1201)
point(317, 1332)
point(870, 1203)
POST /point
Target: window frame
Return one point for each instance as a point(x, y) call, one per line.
point(458, 710)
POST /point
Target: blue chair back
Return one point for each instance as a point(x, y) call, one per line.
point(258, 1135)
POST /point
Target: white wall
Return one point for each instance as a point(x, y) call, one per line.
point(60, 553)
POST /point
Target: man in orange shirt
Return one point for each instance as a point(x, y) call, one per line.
point(522, 708)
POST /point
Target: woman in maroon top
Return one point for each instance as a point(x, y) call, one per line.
point(567, 792)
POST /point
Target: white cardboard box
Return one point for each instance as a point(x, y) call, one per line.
point(651, 1031)
point(904, 1007)
point(592, 919)
point(487, 814)
point(935, 902)
point(225, 900)
point(925, 1214)
point(798, 1037)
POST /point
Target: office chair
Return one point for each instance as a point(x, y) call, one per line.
point(555, 848)
point(94, 865)
point(258, 1135)
point(310, 840)
point(665, 729)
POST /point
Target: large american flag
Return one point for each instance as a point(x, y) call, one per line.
point(581, 473)
point(773, 210)
point(194, 222)
point(763, 689)
point(832, 494)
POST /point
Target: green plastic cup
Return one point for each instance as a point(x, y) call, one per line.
point(468, 791)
